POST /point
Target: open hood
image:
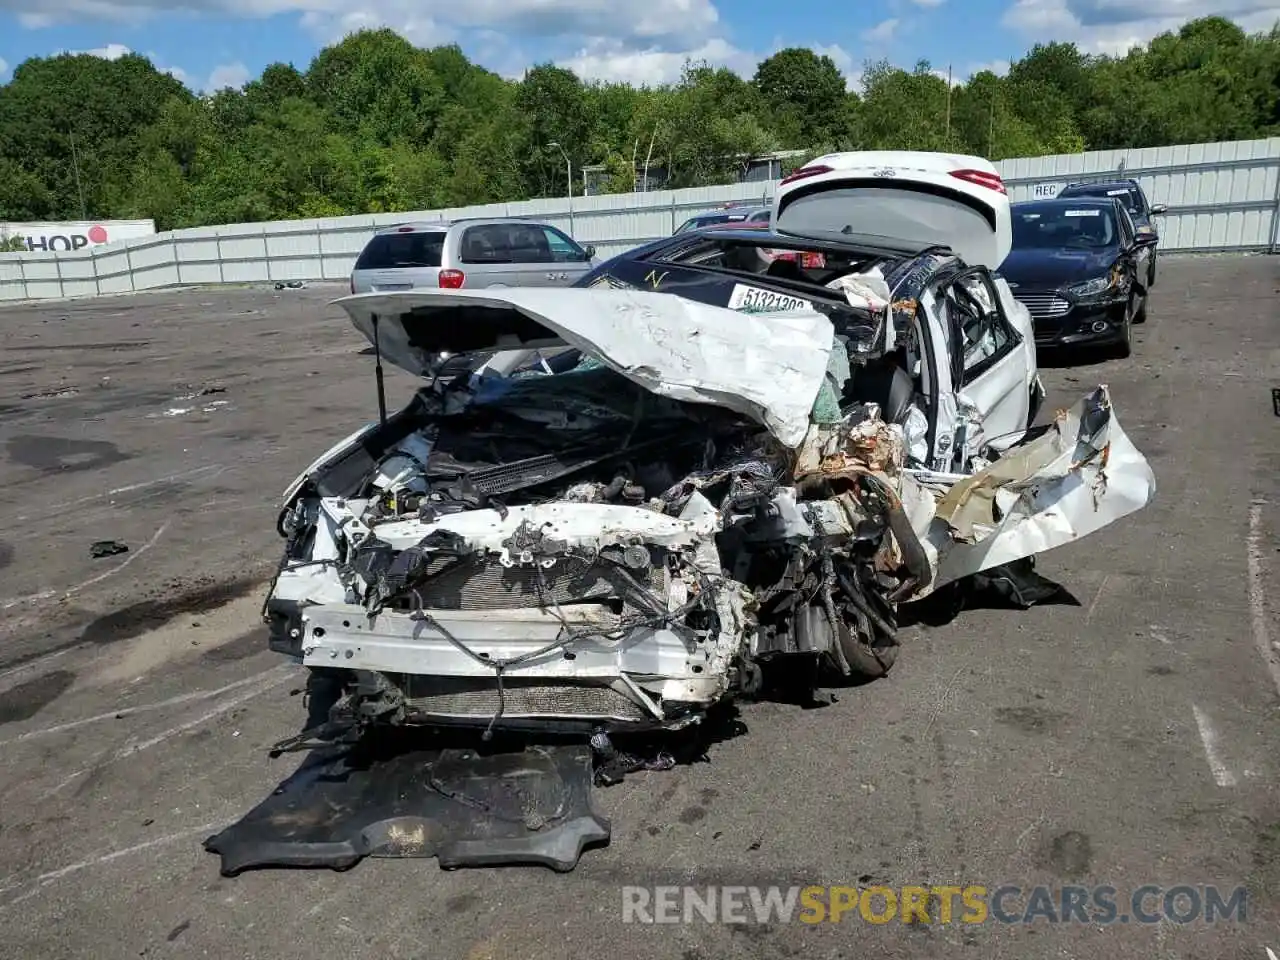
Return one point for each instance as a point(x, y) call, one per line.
point(768, 366)
point(913, 197)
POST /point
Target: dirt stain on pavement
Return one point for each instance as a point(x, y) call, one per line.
point(31, 696)
point(61, 455)
point(1030, 719)
point(136, 619)
point(1070, 854)
point(255, 641)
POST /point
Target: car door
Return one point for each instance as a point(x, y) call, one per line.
point(1135, 257)
point(982, 368)
point(570, 262)
point(489, 256)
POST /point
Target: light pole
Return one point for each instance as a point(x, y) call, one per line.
point(568, 166)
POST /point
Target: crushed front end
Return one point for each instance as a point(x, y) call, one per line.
point(597, 571)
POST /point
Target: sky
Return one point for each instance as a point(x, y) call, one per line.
point(211, 44)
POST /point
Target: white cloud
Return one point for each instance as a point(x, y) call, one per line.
point(928, 3)
point(646, 22)
point(112, 51)
point(610, 61)
point(1115, 26)
point(234, 75)
point(844, 63)
point(4, 68)
point(998, 67)
point(882, 31)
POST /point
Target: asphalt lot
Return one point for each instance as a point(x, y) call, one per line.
point(1130, 739)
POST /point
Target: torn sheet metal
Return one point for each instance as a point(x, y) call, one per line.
point(1080, 475)
point(463, 807)
point(768, 366)
point(580, 525)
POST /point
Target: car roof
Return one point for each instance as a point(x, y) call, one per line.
point(729, 212)
point(765, 236)
point(1104, 184)
point(444, 225)
point(1061, 201)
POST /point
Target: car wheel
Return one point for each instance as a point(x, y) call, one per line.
point(1124, 347)
point(1141, 315)
point(867, 661)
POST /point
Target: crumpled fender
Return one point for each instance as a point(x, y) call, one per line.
point(1076, 477)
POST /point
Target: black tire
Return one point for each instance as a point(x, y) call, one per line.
point(1141, 315)
point(864, 661)
point(1124, 346)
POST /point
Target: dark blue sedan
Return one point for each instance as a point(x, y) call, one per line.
point(1075, 267)
point(1130, 193)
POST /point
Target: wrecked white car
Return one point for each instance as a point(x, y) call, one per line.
point(623, 544)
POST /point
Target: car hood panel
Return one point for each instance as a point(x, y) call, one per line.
point(766, 366)
point(1049, 269)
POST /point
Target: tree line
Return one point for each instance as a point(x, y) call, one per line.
point(375, 124)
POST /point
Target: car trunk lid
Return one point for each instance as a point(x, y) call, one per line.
point(919, 198)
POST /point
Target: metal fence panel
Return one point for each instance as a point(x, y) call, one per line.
point(1221, 197)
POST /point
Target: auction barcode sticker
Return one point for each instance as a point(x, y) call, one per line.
point(757, 300)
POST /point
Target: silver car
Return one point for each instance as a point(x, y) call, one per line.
point(730, 214)
point(470, 253)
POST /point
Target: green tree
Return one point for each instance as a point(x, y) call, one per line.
point(376, 124)
point(552, 108)
point(377, 83)
point(805, 95)
point(73, 122)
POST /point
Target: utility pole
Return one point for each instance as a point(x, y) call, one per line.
point(991, 127)
point(568, 166)
point(75, 165)
point(948, 134)
point(648, 156)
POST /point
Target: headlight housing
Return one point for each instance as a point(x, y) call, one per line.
point(1098, 286)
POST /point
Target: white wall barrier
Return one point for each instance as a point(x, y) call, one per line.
point(1221, 197)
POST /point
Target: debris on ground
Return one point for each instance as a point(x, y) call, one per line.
point(465, 804)
point(51, 394)
point(107, 548)
point(290, 285)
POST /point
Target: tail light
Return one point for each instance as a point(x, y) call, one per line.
point(804, 173)
point(982, 178)
point(451, 279)
point(813, 261)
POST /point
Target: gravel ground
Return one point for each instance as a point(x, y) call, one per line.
point(1129, 739)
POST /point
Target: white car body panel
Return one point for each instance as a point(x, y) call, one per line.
point(901, 195)
point(765, 365)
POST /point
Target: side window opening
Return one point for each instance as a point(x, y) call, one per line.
point(562, 249)
point(983, 334)
point(486, 244)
